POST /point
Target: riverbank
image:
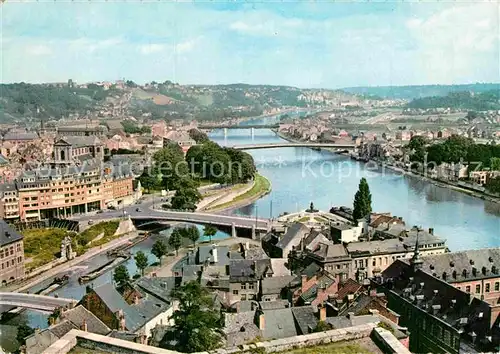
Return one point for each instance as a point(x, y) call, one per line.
point(440, 183)
point(260, 188)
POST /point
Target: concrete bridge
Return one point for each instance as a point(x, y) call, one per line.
point(249, 126)
point(32, 301)
point(233, 222)
point(305, 144)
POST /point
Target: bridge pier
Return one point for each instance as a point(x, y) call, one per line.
point(225, 132)
point(252, 132)
point(233, 230)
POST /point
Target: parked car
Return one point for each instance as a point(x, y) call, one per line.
point(91, 222)
point(138, 210)
point(99, 211)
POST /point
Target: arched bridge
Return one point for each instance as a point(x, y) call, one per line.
point(250, 126)
point(32, 301)
point(281, 145)
point(203, 218)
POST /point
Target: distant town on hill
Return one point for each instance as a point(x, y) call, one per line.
point(419, 91)
point(23, 102)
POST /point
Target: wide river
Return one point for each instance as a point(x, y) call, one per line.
point(302, 175)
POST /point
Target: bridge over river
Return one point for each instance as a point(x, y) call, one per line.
point(304, 144)
point(33, 301)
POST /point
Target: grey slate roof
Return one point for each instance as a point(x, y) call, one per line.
point(305, 317)
point(115, 302)
point(7, 234)
point(296, 230)
point(270, 305)
point(206, 254)
point(483, 260)
point(161, 287)
point(274, 285)
point(80, 141)
point(7, 187)
point(62, 328)
point(80, 314)
point(279, 323)
point(20, 136)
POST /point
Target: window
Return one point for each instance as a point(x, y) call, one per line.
point(467, 288)
point(250, 286)
point(243, 286)
point(243, 297)
point(487, 287)
point(478, 288)
point(497, 286)
point(235, 292)
point(374, 263)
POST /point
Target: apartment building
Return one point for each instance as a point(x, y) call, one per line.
point(9, 202)
point(11, 254)
point(362, 260)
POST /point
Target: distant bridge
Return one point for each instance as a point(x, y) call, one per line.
point(252, 126)
point(281, 145)
point(32, 301)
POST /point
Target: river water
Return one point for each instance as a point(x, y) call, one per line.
point(302, 175)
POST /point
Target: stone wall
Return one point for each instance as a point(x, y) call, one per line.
point(113, 345)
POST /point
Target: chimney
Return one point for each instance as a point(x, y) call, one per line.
point(136, 299)
point(121, 319)
point(431, 230)
point(83, 327)
point(373, 292)
point(350, 315)
point(322, 312)
point(262, 322)
point(214, 255)
point(303, 282)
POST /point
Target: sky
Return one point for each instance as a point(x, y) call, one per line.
point(304, 44)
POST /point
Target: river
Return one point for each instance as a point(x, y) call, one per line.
point(302, 175)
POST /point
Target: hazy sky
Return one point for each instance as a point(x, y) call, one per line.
point(302, 44)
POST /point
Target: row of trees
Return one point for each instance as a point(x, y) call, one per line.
point(221, 165)
point(209, 161)
point(482, 101)
point(453, 150)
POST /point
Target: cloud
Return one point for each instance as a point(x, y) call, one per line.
point(151, 48)
point(91, 45)
point(188, 45)
point(38, 49)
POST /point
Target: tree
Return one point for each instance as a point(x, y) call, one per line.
point(120, 275)
point(185, 198)
point(159, 249)
point(175, 240)
point(192, 233)
point(295, 262)
point(197, 324)
point(323, 326)
point(362, 201)
point(209, 231)
point(23, 331)
point(149, 181)
point(141, 261)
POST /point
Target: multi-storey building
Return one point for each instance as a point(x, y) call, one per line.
point(362, 260)
point(9, 202)
point(11, 254)
point(82, 131)
point(440, 317)
point(476, 272)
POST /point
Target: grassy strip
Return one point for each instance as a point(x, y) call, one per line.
point(304, 219)
point(334, 348)
point(261, 186)
point(42, 245)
